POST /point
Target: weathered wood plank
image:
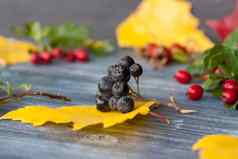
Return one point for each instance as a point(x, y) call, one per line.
point(140, 138)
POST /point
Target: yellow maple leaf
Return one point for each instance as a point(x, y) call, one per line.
point(163, 22)
point(80, 116)
point(13, 51)
point(220, 146)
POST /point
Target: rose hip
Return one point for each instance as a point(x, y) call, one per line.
point(229, 96)
point(36, 59)
point(81, 55)
point(151, 49)
point(230, 85)
point(183, 76)
point(195, 92)
point(46, 57)
point(70, 56)
point(57, 53)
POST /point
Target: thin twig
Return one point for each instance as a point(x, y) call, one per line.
point(161, 117)
point(137, 85)
point(21, 94)
point(173, 104)
point(135, 94)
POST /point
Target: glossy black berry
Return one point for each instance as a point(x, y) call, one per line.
point(118, 72)
point(113, 103)
point(127, 61)
point(136, 70)
point(125, 104)
point(104, 95)
point(102, 104)
point(120, 89)
point(127, 78)
point(105, 84)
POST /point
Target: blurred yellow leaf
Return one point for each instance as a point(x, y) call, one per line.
point(13, 51)
point(163, 22)
point(80, 116)
point(219, 146)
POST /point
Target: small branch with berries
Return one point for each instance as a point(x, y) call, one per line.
point(160, 56)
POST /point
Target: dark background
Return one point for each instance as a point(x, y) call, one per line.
point(102, 15)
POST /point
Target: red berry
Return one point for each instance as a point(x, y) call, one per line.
point(36, 59)
point(168, 55)
point(159, 53)
point(70, 56)
point(229, 96)
point(178, 47)
point(46, 57)
point(183, 76)
point(151, 49)
point(195, 92)
point(230, 85)
point(57, 53)
point(81, 55)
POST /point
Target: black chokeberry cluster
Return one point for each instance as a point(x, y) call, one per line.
point(113, 89)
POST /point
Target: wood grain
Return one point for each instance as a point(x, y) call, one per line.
point(144, 137)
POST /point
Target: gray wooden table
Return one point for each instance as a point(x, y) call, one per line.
point(144, 137)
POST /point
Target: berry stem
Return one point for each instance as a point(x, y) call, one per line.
point(161, 117)
point(173, 104)
point(135, 94)
point(22, 94)
point(137, 85)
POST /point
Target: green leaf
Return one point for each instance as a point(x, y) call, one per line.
point(34, 30)
point(69, 35)
point(9, 88)
point(181, 57)
point(213, 82)
point(197, 67)
point(25, 86)
point(217, 92)
point(232, 40)
point(65, 36)
point(213, 57)
point(100, 47)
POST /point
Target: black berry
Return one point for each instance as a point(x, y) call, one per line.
point(128, 77)
point(113, 103)
point(118, 72)
point(102, 104)
point(136, 70)
point(105, 84)
point(104, 95)
point(127, 61)
point(120, 89)
point(125, 104)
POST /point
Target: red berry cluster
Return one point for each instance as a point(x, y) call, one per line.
point(195, 91)
point(159, 55)
point(47, 57)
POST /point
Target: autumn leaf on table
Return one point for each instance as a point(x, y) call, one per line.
point(219, 146)
point(224, 26)
point(13, 51)
point(164, 22)
point(80, 116)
